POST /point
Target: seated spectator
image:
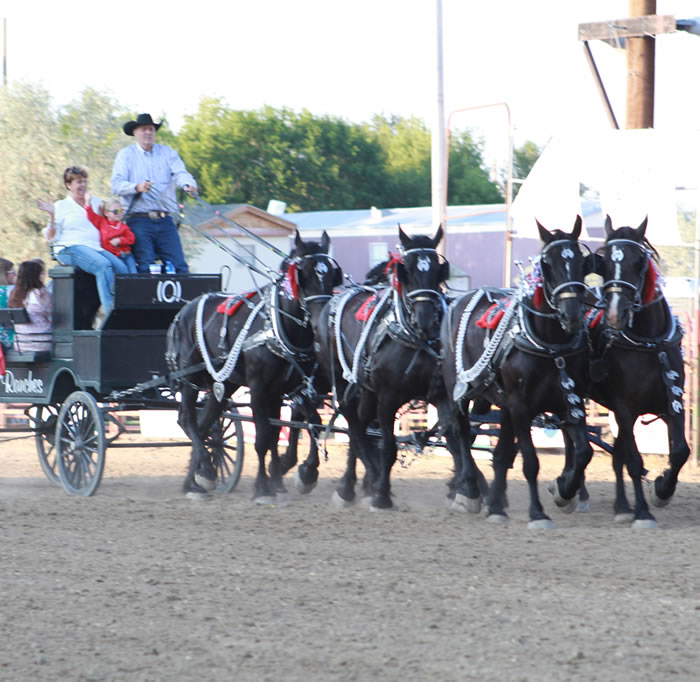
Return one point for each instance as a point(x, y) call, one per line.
point(115, 236)
point(77, 242)
point(31, 294)
point(7, 281)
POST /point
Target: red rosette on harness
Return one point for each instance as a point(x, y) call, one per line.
point(650, 282)
point(291, 281)
point(390, 271)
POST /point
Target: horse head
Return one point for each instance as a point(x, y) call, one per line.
point(419, 276)
point(627, 265)
point(564, 263)
point(311, 273)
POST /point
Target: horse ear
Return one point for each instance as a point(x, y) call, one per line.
point(608, 226)
point(298, 242)
point(325, 242)
point(545, 234)
point(642, 228)
point(438, 236)
point(404, 239)
point(577, 227)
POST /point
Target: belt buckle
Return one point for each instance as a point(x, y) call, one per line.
point(156, 215)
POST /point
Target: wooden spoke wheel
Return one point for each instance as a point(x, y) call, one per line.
point(44, 418)
point(80, 444)
point(226, 444)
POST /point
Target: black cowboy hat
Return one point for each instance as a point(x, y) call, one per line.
point(141, 120)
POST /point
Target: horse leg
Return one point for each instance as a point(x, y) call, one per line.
point(662, 488)
point(307, 474)
point(621, 507)
point(503, 457)
point(635, 467)
point(265, 435)
point(565, 487)
point(469, 481)
point(205, 475)
point(187, 419)
point(386, 412)
point(583, 503)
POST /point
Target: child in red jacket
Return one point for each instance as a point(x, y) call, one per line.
point(115, 236)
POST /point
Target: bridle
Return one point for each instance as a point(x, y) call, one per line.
point(423, 295)
point(557, 295)
point(617, 285)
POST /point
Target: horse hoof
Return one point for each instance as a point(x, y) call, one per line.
point(205, 483)
point(583, 506)
point(372, 508)
point(497, 519)
point(541, 524)
point(565, 506)
point(194, 495)
point(624, 517)
point(469, 504)
point(339, 503)
point(303, 488)
point(265, 500)
point(645, 523)
point(654, 498)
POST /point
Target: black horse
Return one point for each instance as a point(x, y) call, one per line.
point(525, 351)
point(637, 365)
point(262, 340)
point(380, 349)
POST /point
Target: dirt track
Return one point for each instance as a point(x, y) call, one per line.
point(138, 583)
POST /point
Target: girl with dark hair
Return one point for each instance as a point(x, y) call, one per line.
point(7, 281)
point(31, 294)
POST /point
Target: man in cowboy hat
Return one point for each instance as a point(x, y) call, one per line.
point(144, 177)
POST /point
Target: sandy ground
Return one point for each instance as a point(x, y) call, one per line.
point(138, 583)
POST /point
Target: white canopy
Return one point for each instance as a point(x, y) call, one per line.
point(627, 174)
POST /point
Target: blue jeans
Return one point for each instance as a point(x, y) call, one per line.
point(130, 262)
point(156, 239)
point(103, 264)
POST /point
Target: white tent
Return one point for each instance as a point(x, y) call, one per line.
point(628, 174)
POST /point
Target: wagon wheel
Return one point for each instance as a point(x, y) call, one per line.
point(44, 419)
point(225, 443)
point(80, 444)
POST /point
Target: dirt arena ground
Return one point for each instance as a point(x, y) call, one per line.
point(138, 583)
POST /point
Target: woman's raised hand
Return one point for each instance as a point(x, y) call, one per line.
point(45, 205)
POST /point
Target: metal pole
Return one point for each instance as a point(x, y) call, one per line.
point(508, 246)
point(599, 84)
point(437, 139)
point(692, 400)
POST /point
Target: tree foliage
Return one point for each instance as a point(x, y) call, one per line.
point(309, 162)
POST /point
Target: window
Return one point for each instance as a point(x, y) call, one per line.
point(378, 252)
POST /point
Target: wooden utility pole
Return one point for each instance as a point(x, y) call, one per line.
point(641, 52)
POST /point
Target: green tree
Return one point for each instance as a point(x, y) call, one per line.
point(407, 148)
point(468, 182)
point(310, 163)
point(33, 159)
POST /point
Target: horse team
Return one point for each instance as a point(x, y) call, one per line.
point(542, 348)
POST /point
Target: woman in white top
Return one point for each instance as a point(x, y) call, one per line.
point(75, 239)
point(31, 294)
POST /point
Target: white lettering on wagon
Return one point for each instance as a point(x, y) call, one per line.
point(26, 384)
point(168, 291)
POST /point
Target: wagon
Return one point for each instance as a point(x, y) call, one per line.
point(89, 376)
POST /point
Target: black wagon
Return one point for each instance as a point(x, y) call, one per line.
point(89, 376)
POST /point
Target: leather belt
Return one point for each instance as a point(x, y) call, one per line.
point(151, 215)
